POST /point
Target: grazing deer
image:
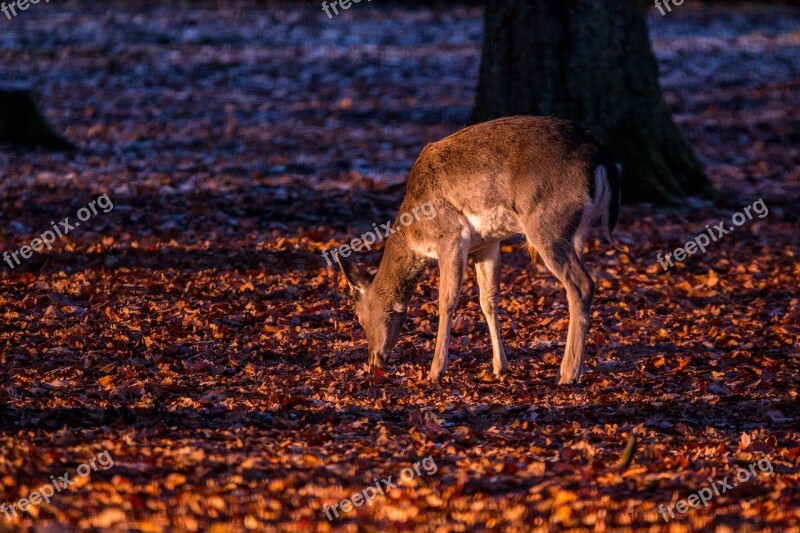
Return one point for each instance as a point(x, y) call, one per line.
point(540, 176)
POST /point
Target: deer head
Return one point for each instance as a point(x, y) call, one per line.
point(379, 313)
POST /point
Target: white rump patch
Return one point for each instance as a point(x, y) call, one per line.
point(595, 208)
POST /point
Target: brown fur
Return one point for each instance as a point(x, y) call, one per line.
point(540, 176)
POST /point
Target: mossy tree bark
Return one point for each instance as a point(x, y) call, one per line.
point(590, 62)
point(21, 122)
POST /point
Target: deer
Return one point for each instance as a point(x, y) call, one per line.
point(542, 177)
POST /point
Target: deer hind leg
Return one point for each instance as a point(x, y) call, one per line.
point(560, 255)
point(487, 268)
point(452, 262)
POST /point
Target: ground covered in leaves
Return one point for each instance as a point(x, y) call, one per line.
point(195, 333)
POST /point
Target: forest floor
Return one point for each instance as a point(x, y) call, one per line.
point(195, 334)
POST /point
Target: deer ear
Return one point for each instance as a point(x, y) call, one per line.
point(358, 278)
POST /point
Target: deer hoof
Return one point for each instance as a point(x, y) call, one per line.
point(499, 372)
point(568, 380)
point(435, 377)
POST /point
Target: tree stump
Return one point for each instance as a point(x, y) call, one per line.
point(21, 122)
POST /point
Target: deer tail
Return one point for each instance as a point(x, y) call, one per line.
point(608, 187)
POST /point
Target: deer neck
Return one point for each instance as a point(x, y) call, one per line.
point(398, 272)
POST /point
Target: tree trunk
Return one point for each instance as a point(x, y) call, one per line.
point(590, 62)
point(21, 123)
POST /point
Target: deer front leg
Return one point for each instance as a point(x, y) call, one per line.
point(452, 261)
point(487, 268)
